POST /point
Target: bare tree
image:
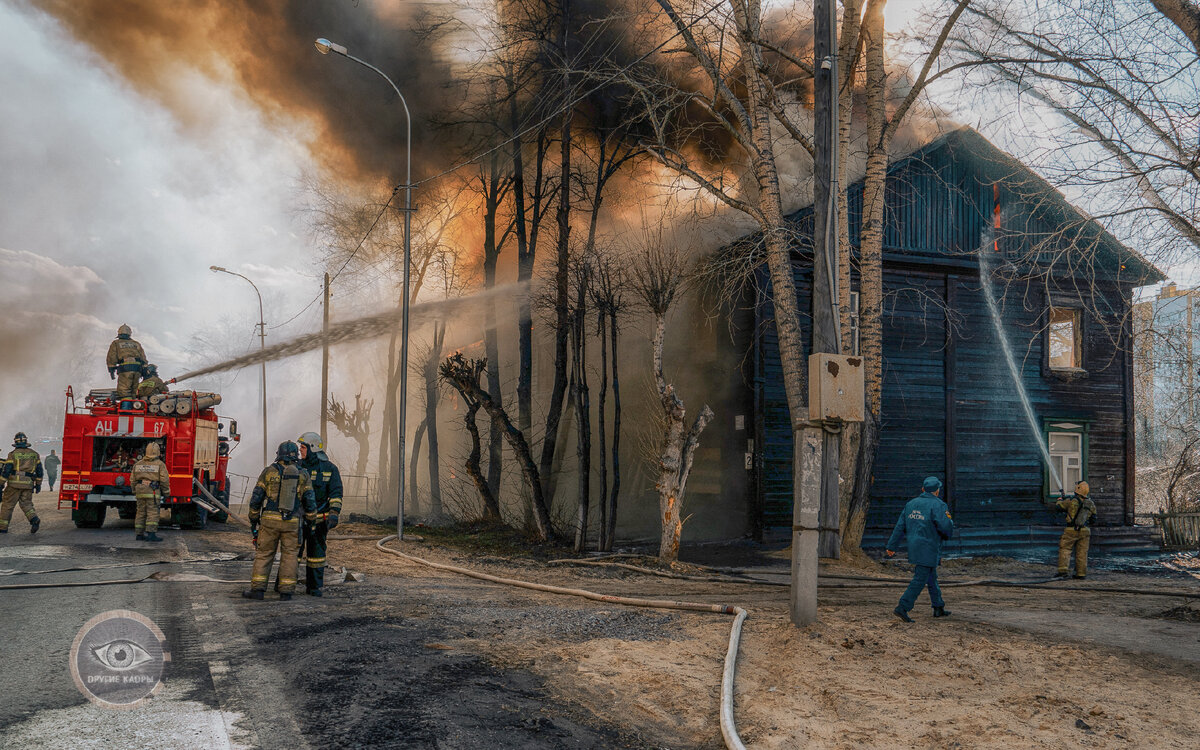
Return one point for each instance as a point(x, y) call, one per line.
point(658, 273)
point(463, 375)
point(609, 303)
point(355, 425)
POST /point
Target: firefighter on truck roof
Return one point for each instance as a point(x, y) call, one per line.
point(125, 360)
point(21, 473)
point(150, 480)
point(153, 384)
point(282, 492)
point(327, 486)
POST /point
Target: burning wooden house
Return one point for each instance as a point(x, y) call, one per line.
point(1064, 287)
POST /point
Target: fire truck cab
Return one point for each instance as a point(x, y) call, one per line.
point(104, 438)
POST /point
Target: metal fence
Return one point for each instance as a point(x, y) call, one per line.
point(360, 494)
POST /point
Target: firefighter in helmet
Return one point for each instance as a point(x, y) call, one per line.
point(1076, 537)
point(152, 383)
point(125, 361)
point(150, 480)
point(283, 492)
point(21, 473)
point(327, 487)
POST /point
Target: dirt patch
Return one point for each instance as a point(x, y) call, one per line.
point(858, 679)
point(1183, 613)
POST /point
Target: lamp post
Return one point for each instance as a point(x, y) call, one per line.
point(262, 343)
point(324, 46)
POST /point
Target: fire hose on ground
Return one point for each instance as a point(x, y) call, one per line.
point(728, 726)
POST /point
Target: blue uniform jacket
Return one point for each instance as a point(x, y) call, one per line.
point(925, 522)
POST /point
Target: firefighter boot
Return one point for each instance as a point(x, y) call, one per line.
point(940, 612)
point(285, 597)
point(35, 523)
point(898, 612)
point(153, 537)
point(253, 594)
point(141, 536)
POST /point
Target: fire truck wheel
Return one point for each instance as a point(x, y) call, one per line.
point(190, 516)
point(127, 511)
point(89, 515)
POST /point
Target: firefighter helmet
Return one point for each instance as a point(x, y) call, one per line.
point(149, 370)
point(124, 331)
point(1082, 489)
point(20, 440)
point(312, 440)
point(288, 452)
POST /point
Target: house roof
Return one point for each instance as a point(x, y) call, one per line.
point(965, 144)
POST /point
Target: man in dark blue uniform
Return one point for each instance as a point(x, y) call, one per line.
point(327, 486)
point(924, 522)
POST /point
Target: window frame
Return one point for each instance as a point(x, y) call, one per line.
point(1071, 426)
point(1077, 334)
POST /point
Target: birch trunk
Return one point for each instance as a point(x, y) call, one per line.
point(871, 268)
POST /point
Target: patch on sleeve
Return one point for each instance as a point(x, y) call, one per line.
point(949, 516)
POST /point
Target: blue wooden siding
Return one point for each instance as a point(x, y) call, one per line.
point(937, 330)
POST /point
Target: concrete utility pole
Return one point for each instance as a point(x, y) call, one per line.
point(325, 370)
point(815, 513)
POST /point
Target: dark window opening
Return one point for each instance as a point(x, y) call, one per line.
point(119, 453)
point(1065, 339)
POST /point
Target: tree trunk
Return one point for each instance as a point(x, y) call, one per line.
point(491, 253)
point(614, 493)
point(431, 424)
point(583, 441)
point(871, 269)
point(413, 489)
point(491, 509)
point(602, 496)
point(678, 449)
point(561, 290)
point(775, 233)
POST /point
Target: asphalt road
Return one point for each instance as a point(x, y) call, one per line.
point(346, 670)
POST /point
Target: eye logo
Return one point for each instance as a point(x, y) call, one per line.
point(118, 658)
point(121, 655)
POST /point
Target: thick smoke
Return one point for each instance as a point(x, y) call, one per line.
point(266, 49)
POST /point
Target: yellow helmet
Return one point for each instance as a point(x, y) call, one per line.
point(1082, 489)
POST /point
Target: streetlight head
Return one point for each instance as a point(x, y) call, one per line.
point(215, 268)
point(324, 46)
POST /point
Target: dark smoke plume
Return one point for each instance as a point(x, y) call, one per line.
point(265, 47)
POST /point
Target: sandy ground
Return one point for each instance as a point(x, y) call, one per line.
point(1012, 667)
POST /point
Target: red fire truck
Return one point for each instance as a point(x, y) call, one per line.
point(106, 436)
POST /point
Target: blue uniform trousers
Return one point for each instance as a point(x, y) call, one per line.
point(923, 575)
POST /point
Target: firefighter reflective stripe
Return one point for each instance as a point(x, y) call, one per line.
point(24, 464)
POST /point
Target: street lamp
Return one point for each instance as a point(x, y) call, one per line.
point(324, 46)
point(262, 343)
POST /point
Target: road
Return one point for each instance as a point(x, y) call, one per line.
point(349, 669)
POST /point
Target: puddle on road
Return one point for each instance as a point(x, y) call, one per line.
point(36, 551)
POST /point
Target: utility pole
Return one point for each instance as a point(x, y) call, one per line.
point(325, 370)
point(826, 333)
point(815, 455)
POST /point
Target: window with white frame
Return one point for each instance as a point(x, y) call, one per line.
point(1067, 445)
